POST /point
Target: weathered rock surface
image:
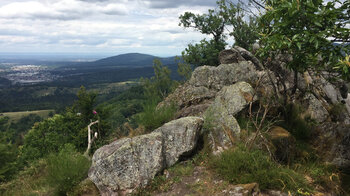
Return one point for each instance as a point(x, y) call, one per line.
point(223, 75)
point(194, 97)
point(128, 163)
point(228, 102)
point(315, 109)
point(333, 143)
point(251, 189)
point(230, 56)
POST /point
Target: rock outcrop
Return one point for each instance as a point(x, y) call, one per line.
point(315, 108)
point(218, 94)
point(333, 143)
point(196, 95)
point(129, 163)
point(221, 114)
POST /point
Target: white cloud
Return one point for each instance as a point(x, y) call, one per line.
point(95, 26)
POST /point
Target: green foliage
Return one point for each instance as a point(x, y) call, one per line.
point(203, 53)
point(66, 169)
point(153, 117)
point(8, 166)
point(241, 166)
point(122, 107)
point(206, 52)
point(85, 103)
point(28, 182)
point(155, 90)
point(226, 15)
point(182, 169)
point(52, 134)
point(183, 69)
point(16, 130)
point(160, 85)
point(309, 163)
point(86, 187)
point(296, 125)
point(307, 31)
point(244, 32)
point(211, 23)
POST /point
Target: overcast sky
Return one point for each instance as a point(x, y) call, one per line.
point(97, 26)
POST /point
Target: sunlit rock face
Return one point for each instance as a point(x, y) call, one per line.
point(129, 163)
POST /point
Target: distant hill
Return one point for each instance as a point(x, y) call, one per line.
point(129, 60)
point(118, 68)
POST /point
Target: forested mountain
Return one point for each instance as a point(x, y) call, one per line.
point(129, 60)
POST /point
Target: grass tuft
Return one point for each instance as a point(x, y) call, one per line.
point(153, 117)
point(66, 169)
point(240, 166)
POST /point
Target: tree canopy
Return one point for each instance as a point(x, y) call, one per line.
point(308, 31)
point(226, 21)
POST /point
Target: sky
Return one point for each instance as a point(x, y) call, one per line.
point(97, 26)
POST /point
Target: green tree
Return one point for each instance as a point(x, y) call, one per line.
point(85, 104)
point(227, 15)
point(156, 89)
point(183, 69)
point(52, 134)
point(8, 166)
point(206, 52)
point(306, 30)
point(244, 31)
point(161, 84)
point(203, 53)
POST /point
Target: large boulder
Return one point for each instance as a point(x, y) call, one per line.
point(223, 75)
point(230, 56)
point(129, 163)
point(194, 97)
point(224, 128)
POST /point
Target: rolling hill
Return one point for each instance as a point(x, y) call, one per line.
point(111, 69)
point(129, 60)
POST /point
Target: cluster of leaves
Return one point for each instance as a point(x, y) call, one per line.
point(52, 134)
point(8, 166)
point(307, 30)
point(226, 15)
point(66, 169)
point(153, 117)
point(57, 174)
point(155, 90)
point(161, 84)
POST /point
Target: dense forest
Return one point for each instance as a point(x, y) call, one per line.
point(100, 74)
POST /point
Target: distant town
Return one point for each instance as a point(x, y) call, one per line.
point(26, 74)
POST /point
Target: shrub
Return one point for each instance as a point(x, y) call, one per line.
point(297, 126)
point(337, 112)
point(29, 181)
point(66, 169)
point(8, 166)
point(242, 166)
point(153, 117)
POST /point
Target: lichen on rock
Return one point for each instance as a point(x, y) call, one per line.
point(129, 163)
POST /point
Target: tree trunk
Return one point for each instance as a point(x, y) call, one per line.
point(90, 141)
point(295, 82)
